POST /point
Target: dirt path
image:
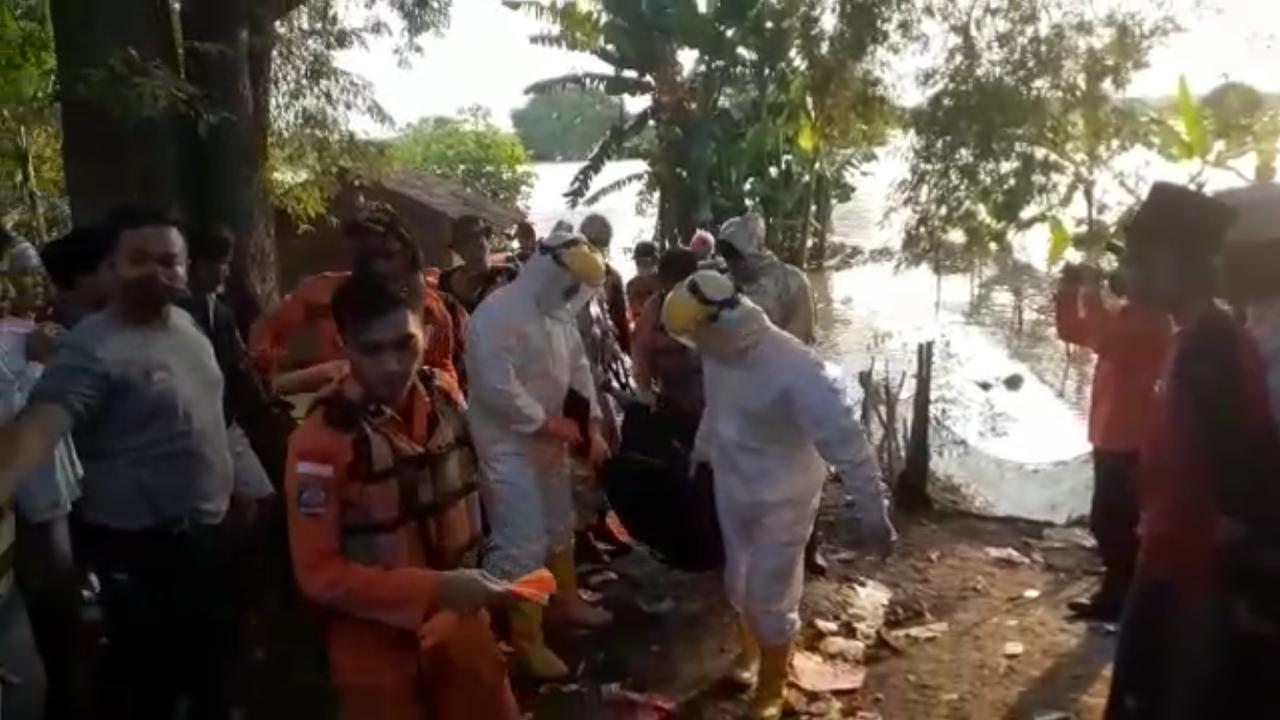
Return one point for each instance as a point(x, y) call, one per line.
point(940, 573)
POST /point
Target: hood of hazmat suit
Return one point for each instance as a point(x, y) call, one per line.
point(523, 355)
point(1252, 271)
point(781, 290)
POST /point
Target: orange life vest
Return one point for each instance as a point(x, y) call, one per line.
point(409, 503)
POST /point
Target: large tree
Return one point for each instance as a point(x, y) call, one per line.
point(566, 125)
point(1022, 127)
point(782, 100)
point(470, 151)
point(175, 104)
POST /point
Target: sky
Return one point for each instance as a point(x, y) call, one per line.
point(485, 58)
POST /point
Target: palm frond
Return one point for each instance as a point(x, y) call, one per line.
point(613, 85)
point(619, 135)
point(576, 27)
point(615, 187)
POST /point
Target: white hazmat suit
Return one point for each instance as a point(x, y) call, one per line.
point(781, 290)
point(774, 419)
point(523, 355)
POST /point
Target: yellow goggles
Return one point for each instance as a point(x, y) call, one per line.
point(581, 259)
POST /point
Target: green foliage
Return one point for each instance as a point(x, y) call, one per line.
point(1059, 240)
point(314, 99)
point(783, 103)
point(1023, 123)
point(31, 179)
point(566, 125)
point(1230, 123)
point(471, 152)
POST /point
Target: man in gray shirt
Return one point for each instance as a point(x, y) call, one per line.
point(139, 386)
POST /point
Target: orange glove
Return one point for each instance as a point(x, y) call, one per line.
point(536, 587)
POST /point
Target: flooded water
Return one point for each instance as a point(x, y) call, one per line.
point(1018, 448)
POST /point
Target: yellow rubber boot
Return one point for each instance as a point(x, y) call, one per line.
point(768, 702)
point(532, 654)
point(569, 605)
point(747, 663)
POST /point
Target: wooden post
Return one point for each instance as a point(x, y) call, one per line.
point(912, 491)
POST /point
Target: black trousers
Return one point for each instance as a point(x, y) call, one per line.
point(1113, 518)
point(170, 620)
point(1187, 656)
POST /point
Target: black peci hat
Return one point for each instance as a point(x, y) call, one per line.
point(1181, 220)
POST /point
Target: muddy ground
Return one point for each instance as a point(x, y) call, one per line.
point(941, 572)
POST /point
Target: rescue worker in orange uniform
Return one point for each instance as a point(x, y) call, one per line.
point(384, 524)
point(1131, 339)
point(295, 342)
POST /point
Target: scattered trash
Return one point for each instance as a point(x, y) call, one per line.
point(1013, 649)
point(1068, 537)
point(951, 697)
point(820, 708)
point(603, 577)
point(590, 596)
point(843, 648)
point(628, 705)
point(1031, 594)
point(660, 606)
point(1007, 555)
point(980, 585)
point(932, 631)
point(1052, 715)
point(553, 688)
point(868, 715)
point(866, 604)
point(812, 673)
point(826, 627)
point(935, 556)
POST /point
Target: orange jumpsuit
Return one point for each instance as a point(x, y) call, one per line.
point(299, 330)
point(377, 503)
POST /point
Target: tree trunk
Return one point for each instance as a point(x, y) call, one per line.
point(822, 220)
point(224, 58)
point(30, 189)
point(912, 490)
point(114, 151)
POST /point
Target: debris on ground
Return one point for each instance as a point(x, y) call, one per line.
point(656, 606)
point(1013, 649)
point(826, 627)
point(1052, 715)
point(1006, 555)
point(628, 705)
point(1063, 537)
point(813, 673)
point(1031, 594)
point(866, 604)
point(932, 631)
point(843, 648)
point(600, 578)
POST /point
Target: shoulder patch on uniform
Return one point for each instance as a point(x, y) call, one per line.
point(311, 469)
point(312, 498)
